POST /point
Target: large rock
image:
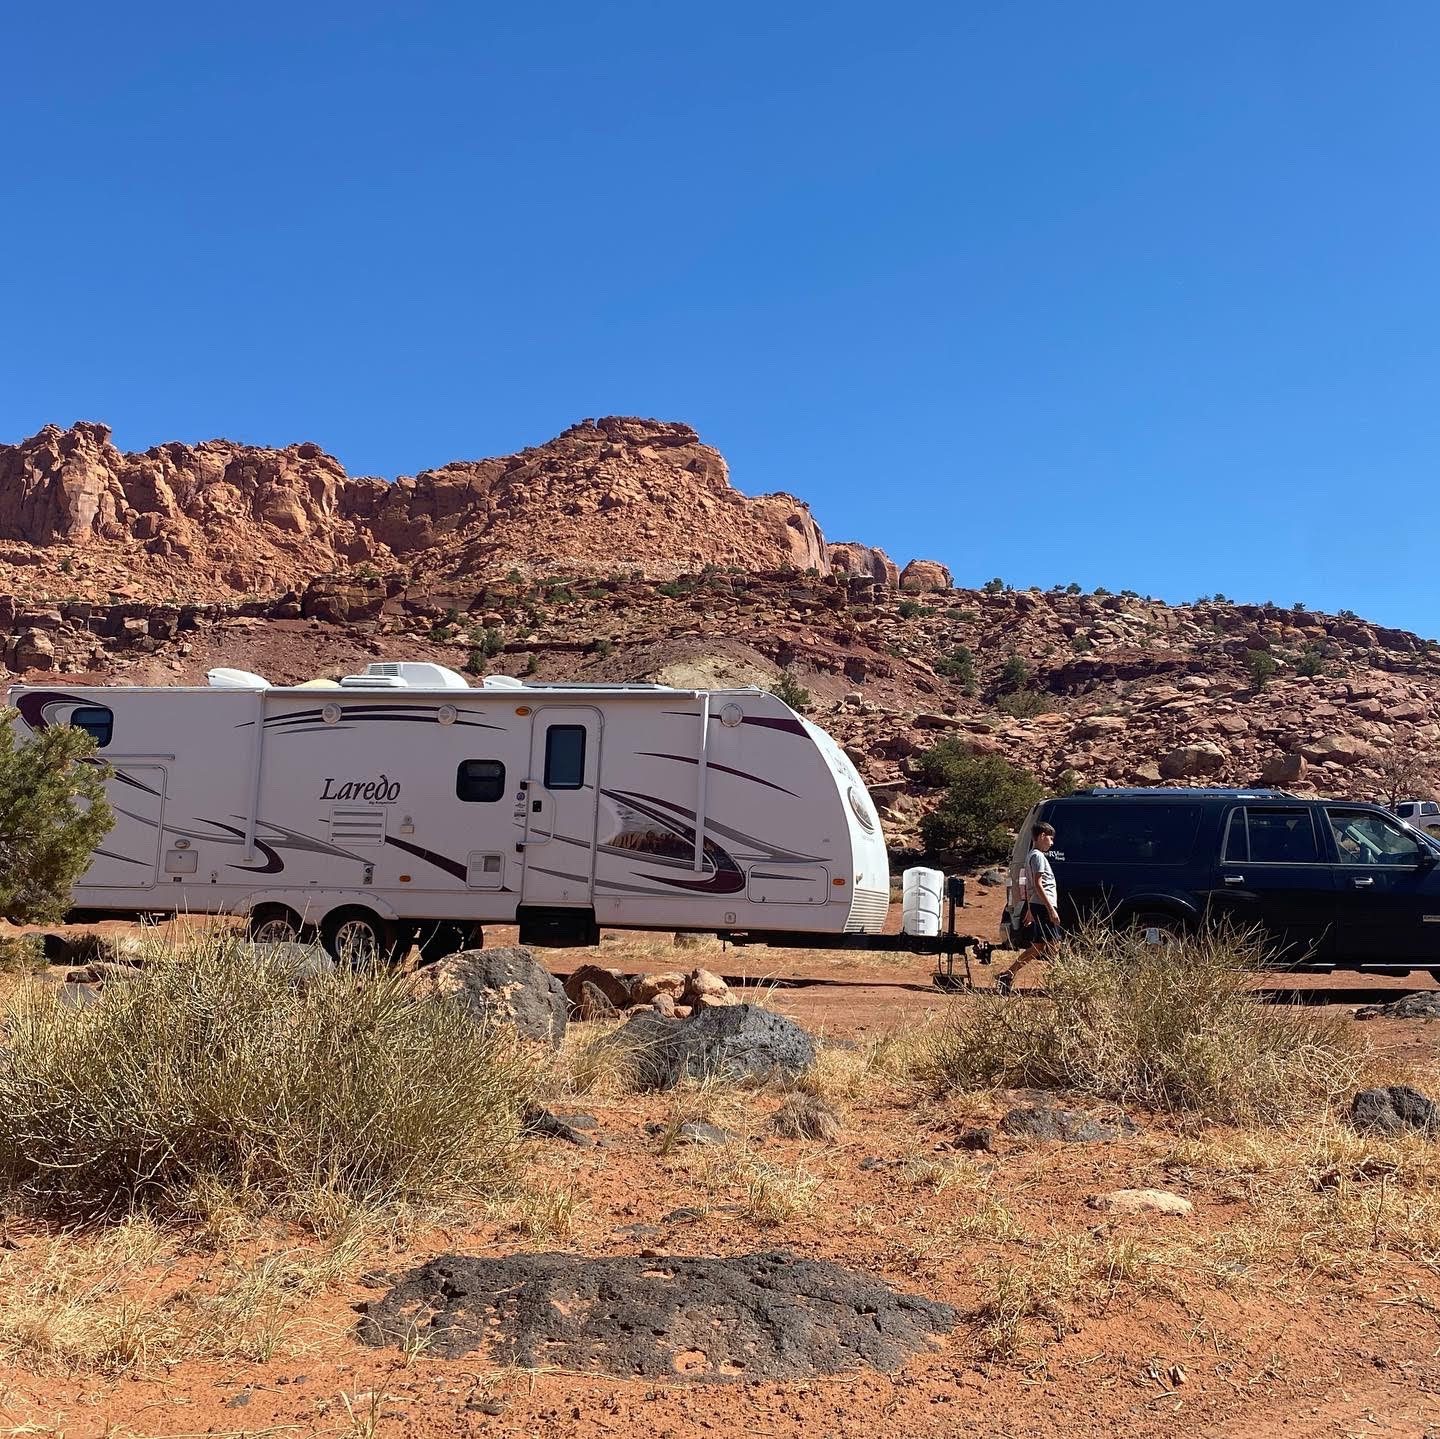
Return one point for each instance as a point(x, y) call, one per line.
point(1051, 1122)
point(924, 576)
point(1344, 749)
point(1192, 760)
point(499, 986)
point(731, 1043)
point(610, 983)
point(847, 558)
point(1284, 769)
point(1394, 1110)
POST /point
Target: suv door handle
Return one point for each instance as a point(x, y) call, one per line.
point(1234, 879)
point(1363, 883)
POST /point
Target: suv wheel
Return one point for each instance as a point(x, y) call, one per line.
point(1156, 926)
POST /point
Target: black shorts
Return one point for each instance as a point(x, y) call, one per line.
point(1043, 929)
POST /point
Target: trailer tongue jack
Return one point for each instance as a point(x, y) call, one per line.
point(946, 947)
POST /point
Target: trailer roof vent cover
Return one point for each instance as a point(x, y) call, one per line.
point(226, 679)
point(405, 674)
point(501, 682)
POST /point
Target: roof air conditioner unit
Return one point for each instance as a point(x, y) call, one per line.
point(226, 679)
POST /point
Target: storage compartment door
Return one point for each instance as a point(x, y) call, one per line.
point(129, 856)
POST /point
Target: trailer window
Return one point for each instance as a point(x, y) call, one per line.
point(480, 781)
point(96, 720)
point(565, 756)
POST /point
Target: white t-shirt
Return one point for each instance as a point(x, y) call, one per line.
point(1042, 877)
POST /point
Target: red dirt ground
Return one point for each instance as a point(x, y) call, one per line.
point(1284, 1347)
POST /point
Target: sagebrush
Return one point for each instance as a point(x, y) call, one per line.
point(1173, 1027)
point(213, 1067)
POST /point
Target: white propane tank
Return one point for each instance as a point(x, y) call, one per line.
point(921, 891)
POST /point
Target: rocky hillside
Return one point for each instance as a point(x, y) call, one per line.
point(619, 551)
point(79, 517)
point(1078, 688)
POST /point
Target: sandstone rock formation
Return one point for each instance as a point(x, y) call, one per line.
point(218, 517)
point(925, 575)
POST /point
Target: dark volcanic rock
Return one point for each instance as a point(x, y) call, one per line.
point(756, 1316)
point(730, 1043)
point(503, 986)
point(1393, 1110)
point(1048, 1121)
point(1425, 1005)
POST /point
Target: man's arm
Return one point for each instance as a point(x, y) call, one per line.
point(1036, 888)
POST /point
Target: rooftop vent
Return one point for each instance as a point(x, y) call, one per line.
point(225, 679)
point(403, 675)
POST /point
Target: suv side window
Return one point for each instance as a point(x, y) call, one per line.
point(1364, 837)
point(1272, 834)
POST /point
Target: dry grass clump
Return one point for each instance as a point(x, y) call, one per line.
point(213, 1069)
point(1172, 1027)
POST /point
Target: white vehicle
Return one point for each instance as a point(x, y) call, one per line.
point(1422, 814)
point(403, 804)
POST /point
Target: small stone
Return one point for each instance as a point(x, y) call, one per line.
point(1394, 1110)
point(979, 1140)
point(1141, 1201)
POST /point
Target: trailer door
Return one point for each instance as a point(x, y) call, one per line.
point(562, 798)
point(128, 857)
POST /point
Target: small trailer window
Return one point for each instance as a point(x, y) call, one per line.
point(480, 781)
point(96, 720)
point(565, 756)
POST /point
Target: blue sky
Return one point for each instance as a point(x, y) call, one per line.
point(1130, 294)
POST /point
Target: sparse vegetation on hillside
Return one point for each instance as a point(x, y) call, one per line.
point(985, 798)
point(790, 691)
point(53, 812)
point(1263, 667)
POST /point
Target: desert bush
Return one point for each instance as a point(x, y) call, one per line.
point(985, 798)
point(788, 690)
point(1172, 1027)
point(1024, 704)
point(53, 812)
point(959, 664)
point(1263, 667)
point(212, 1067)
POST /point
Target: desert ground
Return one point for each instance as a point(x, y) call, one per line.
point(1300, 1297)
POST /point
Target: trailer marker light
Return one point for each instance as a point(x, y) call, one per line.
point(522, 709)
point(404, 879)
point(838, 882)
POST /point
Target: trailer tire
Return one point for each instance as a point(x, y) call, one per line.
point(440, 937)
point(361, 939)
point(275, 924)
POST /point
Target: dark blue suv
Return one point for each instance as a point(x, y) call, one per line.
point(1329, 882)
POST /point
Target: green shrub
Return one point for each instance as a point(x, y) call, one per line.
point(790, 691)
point(212, 1068)
point(994, 587)
point(1014, 674)
point(985, 799)
point(1311, 662)
point(959, 664)
point(53, 812)
point(1171, 1027)
point(1024, 704)
point(913, 610)
point(1262, 666)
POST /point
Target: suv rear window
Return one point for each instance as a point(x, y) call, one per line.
point(1114, 832)
point(1272, 834)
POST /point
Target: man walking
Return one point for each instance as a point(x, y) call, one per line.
point(1042, 900)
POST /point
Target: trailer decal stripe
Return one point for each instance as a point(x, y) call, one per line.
point(123, 858)
point(723, 768)
point(768, 851)
point(450, 866)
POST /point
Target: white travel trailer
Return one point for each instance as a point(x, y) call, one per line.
point(403, 804)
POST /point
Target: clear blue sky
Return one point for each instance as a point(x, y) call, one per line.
point(1133, 294)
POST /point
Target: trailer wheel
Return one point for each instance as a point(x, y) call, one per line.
point(274, 924)
point(360, 938)
point(440, 937)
